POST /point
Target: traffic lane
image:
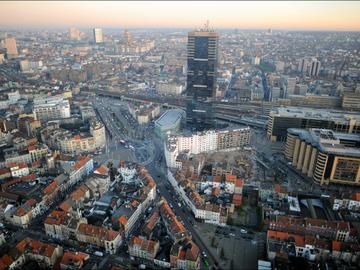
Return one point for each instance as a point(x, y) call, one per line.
point(165, 192)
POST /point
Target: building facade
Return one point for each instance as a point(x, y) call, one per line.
point(324, 155)
point(202, 61)
point(53, 107)
point(283, 118)
point(98, 35)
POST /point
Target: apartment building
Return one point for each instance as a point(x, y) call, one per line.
point(51, 107)
point(99, 236)
point(203, 142)
point(143, 248)
point(26, 155)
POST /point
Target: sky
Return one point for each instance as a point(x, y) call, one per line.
point(299, 15)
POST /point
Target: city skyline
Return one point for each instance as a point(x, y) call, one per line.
point(341, 15)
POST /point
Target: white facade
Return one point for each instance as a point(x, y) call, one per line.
point(18, 171)
point(198, 143)
point(81, 169)
point(201, 142)
point(98, 36)
point(97, 130)
point(53, 107)
point(169, 88)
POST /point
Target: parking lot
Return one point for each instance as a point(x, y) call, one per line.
point(237, 248)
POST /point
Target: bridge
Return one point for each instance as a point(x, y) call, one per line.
point(225, 111)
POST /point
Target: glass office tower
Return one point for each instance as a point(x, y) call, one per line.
point(202, 61)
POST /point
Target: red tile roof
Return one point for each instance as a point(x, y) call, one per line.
point(50, 188)
point(230, 178)
point(55, 217)
point(336, 245)
point(237, 199)
point(4, 171)
point(35, 247)
point(79, 193)
point(102, 170)
point(357, 196)
point(100, 232)
point(217, 178)
point(239, 182)
point(65, 205)
point(74, 258)
point(123, 220)
point(192, 254)
point(283, 236)
point(78, 165)
point(5, 262)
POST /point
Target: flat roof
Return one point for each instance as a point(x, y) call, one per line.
point(169, 117)
point(324, 114)
point(328, 141)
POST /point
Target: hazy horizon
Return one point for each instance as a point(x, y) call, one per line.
point(296, 16)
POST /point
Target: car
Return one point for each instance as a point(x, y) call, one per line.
point(243, 231)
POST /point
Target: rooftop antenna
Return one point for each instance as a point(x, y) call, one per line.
point(207, 25)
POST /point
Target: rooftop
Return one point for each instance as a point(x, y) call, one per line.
point(311, 113)
point(330, 142)
point(170, 117)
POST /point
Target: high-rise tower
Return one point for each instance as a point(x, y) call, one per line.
point(74, 33)
point(11, 48)
point(98, 36)
point(202, 61)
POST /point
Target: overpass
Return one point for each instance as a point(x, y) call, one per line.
point(224, 111)
point(241, 120)
point(168, 102)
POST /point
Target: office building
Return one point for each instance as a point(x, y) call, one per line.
point(255, 60)
point(51, 107)
point(303, 65)
point(199, 115)
point(74, 33)
point(351, 101)
point(98, 35)
point(315, 101)
point(310, 67)
point(202, 61)
point(11, 48)
point(290, 86)
point(315, 68)
point(325, 155)
point(301, 89)
point(275, 93)
point(283, 118)
point(128, 37)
